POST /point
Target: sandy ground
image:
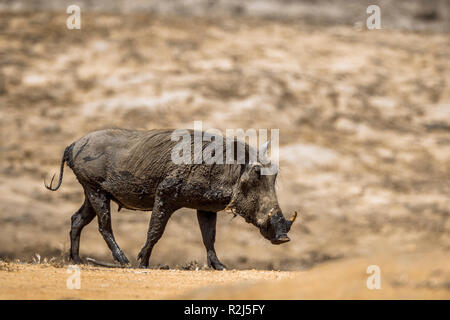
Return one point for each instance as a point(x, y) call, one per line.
point(416, 276)
point(30, 282)
point(364, 119)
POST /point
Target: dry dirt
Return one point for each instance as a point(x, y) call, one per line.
point(364, 120)
point(413, 276)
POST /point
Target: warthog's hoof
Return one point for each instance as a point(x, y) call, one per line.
point(76, 260)
point(216, 264)
point(143, 257)
point(122, 259)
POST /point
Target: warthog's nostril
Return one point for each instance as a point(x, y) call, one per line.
point(280, 240)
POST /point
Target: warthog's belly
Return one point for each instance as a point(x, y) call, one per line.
point(130, 192)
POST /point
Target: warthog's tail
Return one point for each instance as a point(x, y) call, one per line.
point(61, 171)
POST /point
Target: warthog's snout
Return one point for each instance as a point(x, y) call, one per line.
point(276, 228)
point(281, 239)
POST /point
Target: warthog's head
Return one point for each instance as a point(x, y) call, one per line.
point(255, 199)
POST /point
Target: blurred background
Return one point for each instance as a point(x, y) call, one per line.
point(364, 119)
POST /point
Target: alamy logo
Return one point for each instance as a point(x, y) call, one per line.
point(374, 20)
point(74, 20)
point(212, 151)
point(374, 281)
point(74, 280)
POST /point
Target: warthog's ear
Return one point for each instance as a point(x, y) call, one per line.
point(263, 149)
point(257, 168)
point(250, 176)
point(244, 181)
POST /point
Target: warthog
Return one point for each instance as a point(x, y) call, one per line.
point(135, 170)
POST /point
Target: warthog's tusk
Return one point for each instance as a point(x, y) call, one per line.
point(294, 216)
point(270, 213)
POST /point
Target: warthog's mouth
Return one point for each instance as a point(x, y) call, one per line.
point(280, 240)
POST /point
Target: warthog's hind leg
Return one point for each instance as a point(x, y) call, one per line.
point(80, 219)
point(101, 205)
point(207, 222)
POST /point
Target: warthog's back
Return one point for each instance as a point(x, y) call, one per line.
point(128, 164)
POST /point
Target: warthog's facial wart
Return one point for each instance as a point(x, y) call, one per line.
point(255, 199)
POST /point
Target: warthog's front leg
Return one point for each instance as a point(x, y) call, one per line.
point(160, 215)
point(207, 222)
